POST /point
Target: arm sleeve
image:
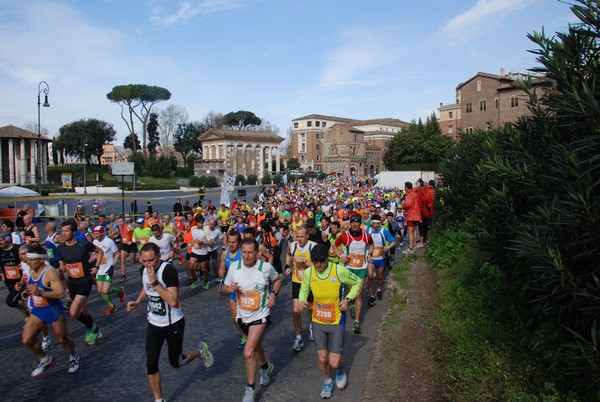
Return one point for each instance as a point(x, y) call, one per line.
point(305, 285)
point(347, 278)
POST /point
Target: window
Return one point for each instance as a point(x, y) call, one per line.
point(302, 158)
point(295, 124)
point(450, 115)
point(450, 129)
point(317, 123)
point(482, 105)
point(317, 136)
point(469, 107)
point(323, 124)
point(318, 157)
point(514, 101)
point(478, 86)
point(309, 123)
point(497, 103)
point(317, 147)
point(303, 147)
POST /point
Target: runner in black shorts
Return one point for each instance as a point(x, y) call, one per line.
point(74, 256)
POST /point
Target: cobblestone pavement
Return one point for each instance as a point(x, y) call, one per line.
point(114, 368)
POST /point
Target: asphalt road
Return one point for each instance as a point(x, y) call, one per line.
point(114, 368)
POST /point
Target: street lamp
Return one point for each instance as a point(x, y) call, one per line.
point(45, 88)
point(84, 176)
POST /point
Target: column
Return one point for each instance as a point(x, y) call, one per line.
point(33, 161)
point(270, 160)
point(45, 159)
point(234, 172)
point(277, 161)
point(261, 162)
point(11, 161)
point(23, 164)
point(1, 166)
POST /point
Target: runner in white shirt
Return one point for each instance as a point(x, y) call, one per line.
point(164, 241)
point(199, 253)
point(214, 234)
point(249, 279)
point(106, 269)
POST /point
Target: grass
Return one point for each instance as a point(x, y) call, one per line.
point(480, 357)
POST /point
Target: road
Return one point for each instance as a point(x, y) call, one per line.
point(114, 368)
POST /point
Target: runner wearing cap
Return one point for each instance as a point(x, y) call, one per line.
point(326, 282)
point(45, 293)
point(357, 253)
point(383, 242)
point(142, 233)
point(106, 269)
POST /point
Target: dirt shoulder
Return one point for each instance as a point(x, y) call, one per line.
point(402, 366)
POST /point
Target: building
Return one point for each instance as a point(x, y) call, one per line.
point(19, 156)
point(345, 146)
point(235, 152)
point(488, 100)
point(449, 119)
point(110, 155)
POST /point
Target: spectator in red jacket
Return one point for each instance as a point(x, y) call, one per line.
point(426, 195)
point(412, 213)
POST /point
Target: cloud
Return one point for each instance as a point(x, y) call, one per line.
point(479, 19)
point(360, 53)
point(189, 9)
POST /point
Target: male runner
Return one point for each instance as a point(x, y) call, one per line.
point(326, 282)
point(74, 259)
point(126, 246)
point(199, 253)
point(250, 279)
point(383, 242)
point(164, 241)
point(45, 294)
point(106, 269)
point(160, 288)
point(214, 234)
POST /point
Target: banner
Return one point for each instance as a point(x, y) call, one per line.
point(66, 180)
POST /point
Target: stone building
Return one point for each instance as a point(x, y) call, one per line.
point(449, 119)
point(341, 145)
point(233, 152)
point(19, 156)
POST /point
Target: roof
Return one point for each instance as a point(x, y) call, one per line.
point(387, 121)
point(239, 135)
point(16, 132)
point(323, 117)
point(507, 78)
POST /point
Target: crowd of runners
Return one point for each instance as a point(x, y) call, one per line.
point(330, 238)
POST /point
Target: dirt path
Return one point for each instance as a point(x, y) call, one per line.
point(402, 366)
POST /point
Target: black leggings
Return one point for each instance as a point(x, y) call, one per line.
point(14, 296)
point(155, 337)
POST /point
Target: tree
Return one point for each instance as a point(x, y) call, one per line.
point(241, 120)
point(185, 139)
point(133, 145)
point(213, 120)
point(138, 100)
point(138, 161)
point(83, 139)
point(170, 118)
point(54, 152)
point(32, 126)
point(153, 140)
point(293, 163)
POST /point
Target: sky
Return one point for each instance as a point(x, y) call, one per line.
point(280, 59)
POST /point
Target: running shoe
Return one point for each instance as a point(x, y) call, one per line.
point(195, 283)
point(122, 295)
point(242, 343)
point(409, 251)
point(43, 365)
point(372, 301)
point(379, 295)
point(181, 260)
point(356, 327)
point(249, 394)
point(341, 379)
point(206, 285)
point(47, 344)
point(94, 336)
point(311, 336)
point(352, 311)
point(123, 279)
point(265, 374)
point(327, 389)
point(298, 345)
point(205, 354)
point(74, 364)
point(110, 310)
point(219, 280)
point(420, 245)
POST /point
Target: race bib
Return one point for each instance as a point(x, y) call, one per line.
point(299, 273)
point(224, 223)
point(50, 253)
point(12, 271)
point(142, 240)
point(356, 260)
point(75, 270)
point(248, 300)
point(39, 301)
point(377, 251)
point(156, 305)
point(324, 312)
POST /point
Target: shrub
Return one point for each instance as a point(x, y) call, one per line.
point(240, 178)
point(252, 180)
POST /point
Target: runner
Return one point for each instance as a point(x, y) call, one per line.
point(298, 254)
point(104, 276)
point(383, 242)
point(358, 251)
point(74, 259)
point(326, 283)
point(199, 253)
point(164, 241)
point(126, 246)
point(11, 272)
point(250, 279)
point(214, 234)
point(46, 292)
point(160, 288)
point(142, 233)
point(53, 239)
point(30, 234)
point(224, 216)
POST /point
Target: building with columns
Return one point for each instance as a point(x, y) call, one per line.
point(19, 156)
point(234, 152)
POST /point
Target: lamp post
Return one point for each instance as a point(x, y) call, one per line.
point(84, 175)
point(45, 88)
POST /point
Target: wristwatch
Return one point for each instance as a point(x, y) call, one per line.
point(155, 283)
point(350, 301)
point(275, 292)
